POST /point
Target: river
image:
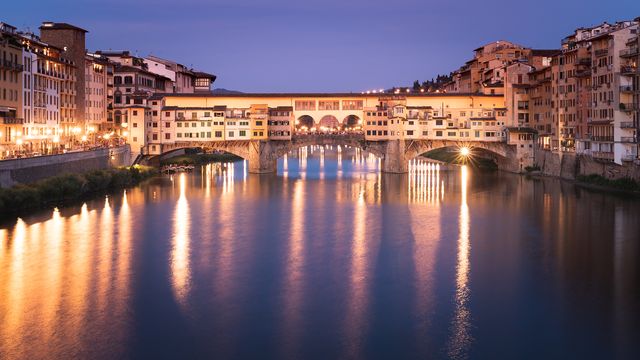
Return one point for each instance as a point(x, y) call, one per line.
point(327, 259)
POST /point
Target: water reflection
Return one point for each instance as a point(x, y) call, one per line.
point(329, 258)
point(461, 327)
point(180, 270)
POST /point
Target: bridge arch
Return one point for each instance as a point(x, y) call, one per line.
point(352, 122)
point(305, 122)
point(329, 122)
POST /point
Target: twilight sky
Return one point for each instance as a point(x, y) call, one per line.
point(317, 45)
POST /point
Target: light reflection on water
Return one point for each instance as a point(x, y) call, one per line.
point(327, 259)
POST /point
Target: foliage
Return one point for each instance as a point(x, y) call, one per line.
point(198, 159)
point(533, 168)
point(57, 190)
point(625, 184)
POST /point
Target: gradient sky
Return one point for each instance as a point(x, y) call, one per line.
point(317, 45)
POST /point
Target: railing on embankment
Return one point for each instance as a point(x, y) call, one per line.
point(27, 170)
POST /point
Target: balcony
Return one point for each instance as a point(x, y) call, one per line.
point(602, 155)
point(629, 52)
point(601, 52)
point(602, 138)
point(10, 65)
point(630, 107)
point(583, 73)
point(627, 125)
point(584, 61)
point(628, 139)
point(626, 89)
point(11, 121)
point(629, 70)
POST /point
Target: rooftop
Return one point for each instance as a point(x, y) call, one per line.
point(60, 26)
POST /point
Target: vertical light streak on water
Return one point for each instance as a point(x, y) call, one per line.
point(14, 294)
point(179, 260)
point(106, 244)
point(358, 301)
point(55, 230)
point(460, 334)
point(424, 215)
point(294, 273)
point(79, 264)
point(124, 250)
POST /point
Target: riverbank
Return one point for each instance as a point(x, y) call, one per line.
point(622, 186)
point(199, 159)
point(62, 189)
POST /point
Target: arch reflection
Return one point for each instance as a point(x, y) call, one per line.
point(461, 339)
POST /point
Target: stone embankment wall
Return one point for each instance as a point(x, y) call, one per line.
point(569, 166)
point(27, 170)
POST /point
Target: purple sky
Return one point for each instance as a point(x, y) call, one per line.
point(312, 45)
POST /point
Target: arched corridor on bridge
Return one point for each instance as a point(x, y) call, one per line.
point(305, 123)
point(328, 122)
point(352, 122)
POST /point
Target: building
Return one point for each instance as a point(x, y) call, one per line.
point(71, 40)
point(11, 110)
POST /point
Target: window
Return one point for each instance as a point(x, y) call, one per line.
point(352, 104)
point(243, 133)
point(230, 134)
point(135, 124)
point(305, 105)
point(167, 136)
point(218, 134)
point(135, 112)
point(439, 133)
point(328, 105)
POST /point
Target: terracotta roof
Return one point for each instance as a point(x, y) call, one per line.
point(545, 52)
point(60, 26)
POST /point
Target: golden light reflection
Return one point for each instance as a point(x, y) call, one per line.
point(14, 292)
point(294, 273)
point(125, 236)
point(180, 271)
point(105, 241)
point(425, 184)
point(426, 231)
point(359, 284)
point(79, 263)
point(460, 339)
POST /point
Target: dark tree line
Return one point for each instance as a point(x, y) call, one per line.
point(433, 84)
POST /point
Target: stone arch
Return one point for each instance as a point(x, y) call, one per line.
point(352, 122)
point(329, 123)
point(305, 122)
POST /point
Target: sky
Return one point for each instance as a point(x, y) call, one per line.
point(317, 45)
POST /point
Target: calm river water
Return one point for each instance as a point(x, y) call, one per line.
point(327, 259)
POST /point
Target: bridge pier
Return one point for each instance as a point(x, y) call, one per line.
point(394, 160)
point(262, 157)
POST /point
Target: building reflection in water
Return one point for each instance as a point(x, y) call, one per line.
point(460, 338)
point(180, 271)
point(358, 296)
point(294, 271)
point(423, 186)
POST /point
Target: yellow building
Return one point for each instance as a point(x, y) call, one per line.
point(11, 114)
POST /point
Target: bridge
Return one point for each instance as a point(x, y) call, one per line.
point(262, 155)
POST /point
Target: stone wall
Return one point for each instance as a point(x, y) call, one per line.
point(29, 170)
point(569, 166)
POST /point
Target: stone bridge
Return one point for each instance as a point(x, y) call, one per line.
point(262, 155)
